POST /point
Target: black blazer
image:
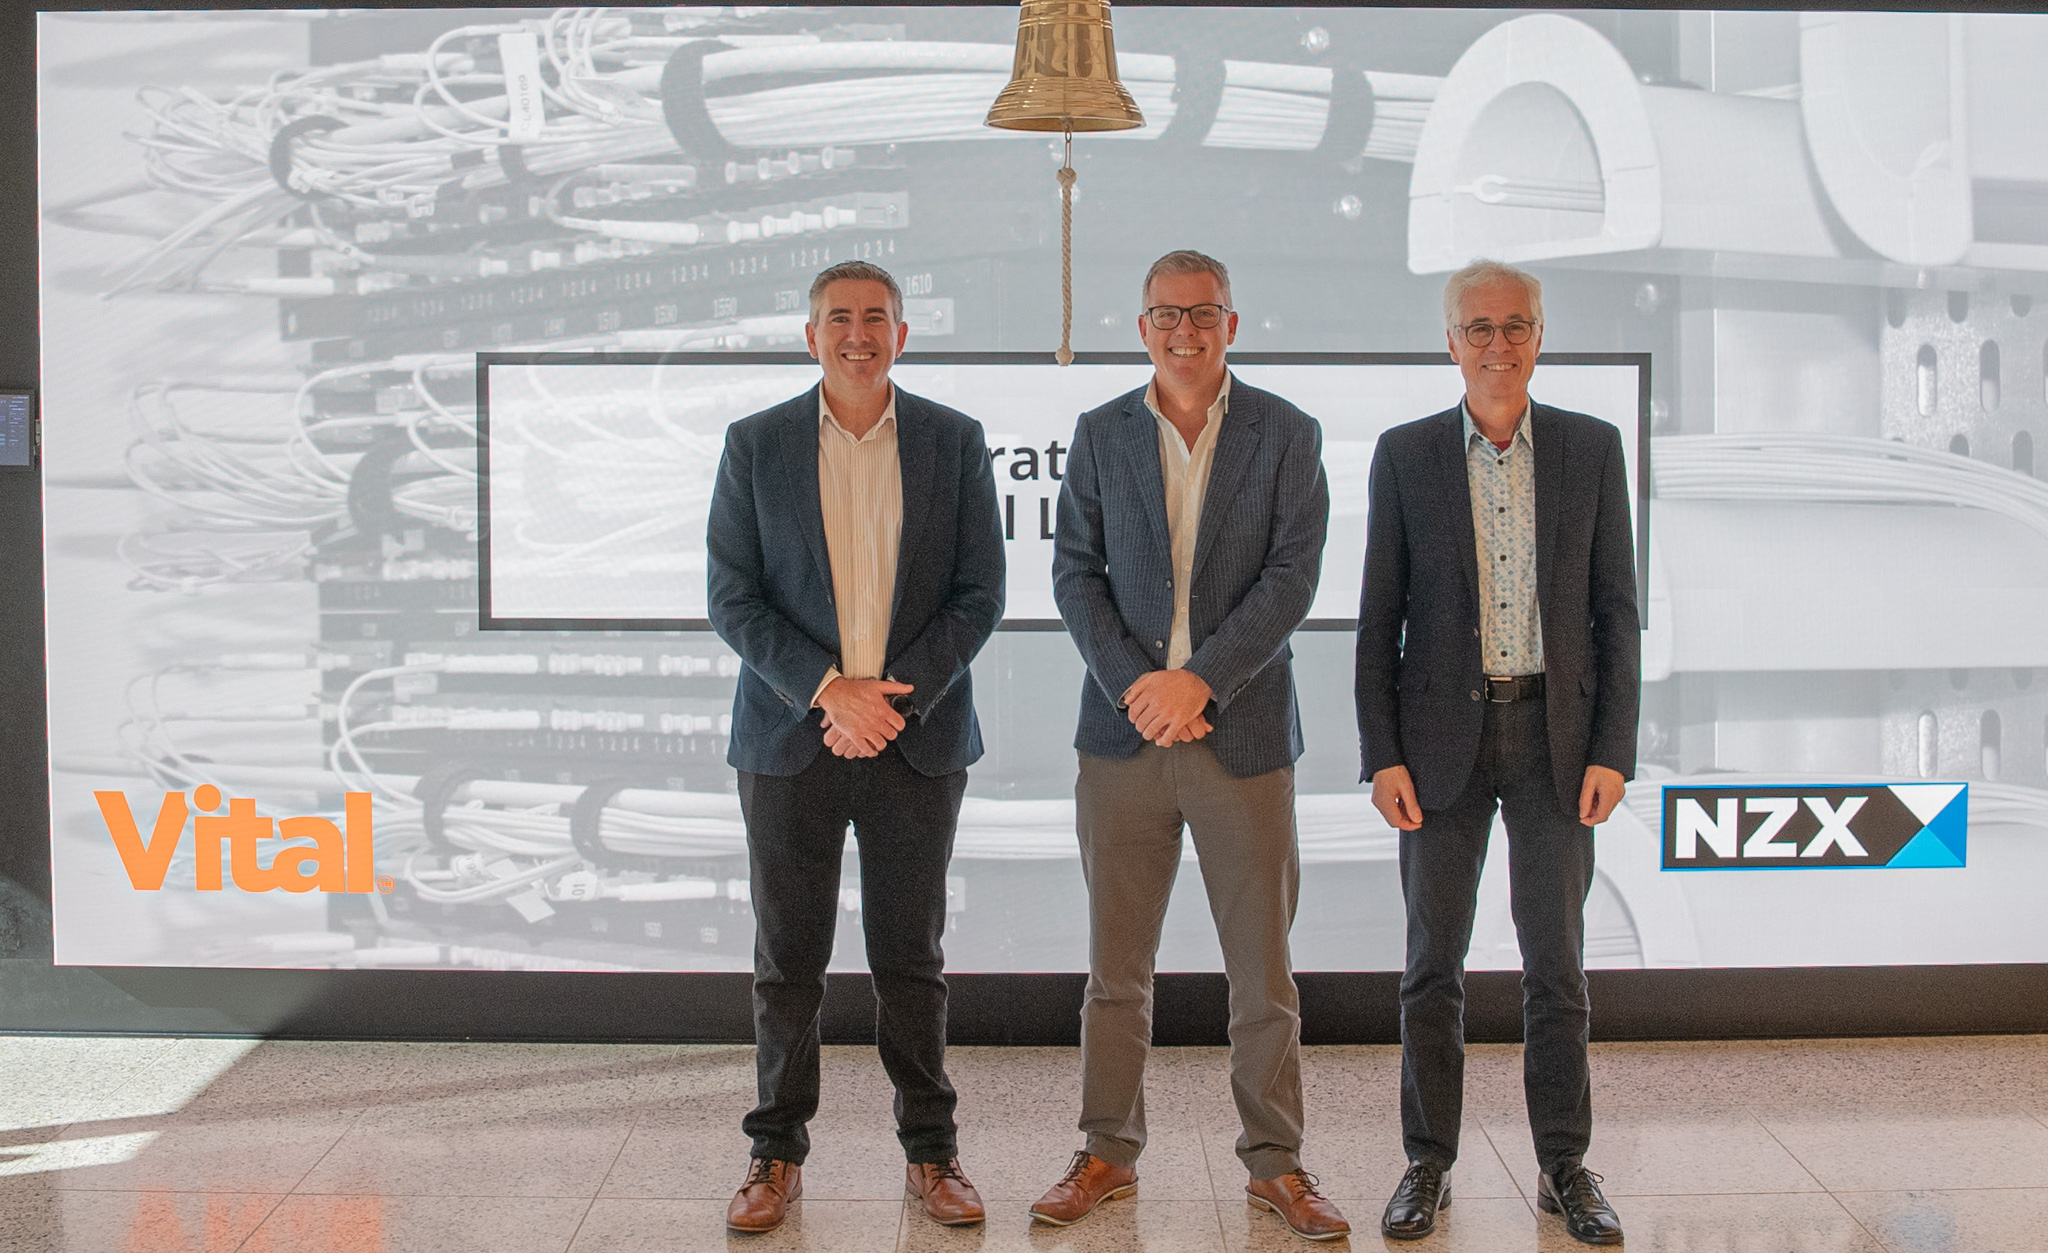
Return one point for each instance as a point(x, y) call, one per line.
point(770, 590)
point(1420, 678)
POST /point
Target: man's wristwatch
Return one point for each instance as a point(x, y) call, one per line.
point(901, 701)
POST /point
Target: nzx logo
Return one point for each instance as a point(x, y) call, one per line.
point(1802, 827)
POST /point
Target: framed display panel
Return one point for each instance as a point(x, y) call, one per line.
point(596, 469)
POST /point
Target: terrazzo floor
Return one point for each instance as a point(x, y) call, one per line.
point(205, 1146)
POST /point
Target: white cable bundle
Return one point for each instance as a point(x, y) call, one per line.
point(1840, 469)
point(1400, 105)
point(603, 106)
point(1268, 107)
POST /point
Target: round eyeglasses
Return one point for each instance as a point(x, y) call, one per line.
point(1480, 334)
point(1206, 317)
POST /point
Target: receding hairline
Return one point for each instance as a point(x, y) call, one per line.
point(825, 305)
point(1184, 261)
point(855, 272)
point(1486, 272)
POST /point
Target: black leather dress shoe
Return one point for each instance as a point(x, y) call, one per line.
point(1411, 1212)
point(1587, 1215)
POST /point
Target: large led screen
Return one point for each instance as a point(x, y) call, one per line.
point(314, 704)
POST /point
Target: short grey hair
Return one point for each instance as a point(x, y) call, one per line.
point(857, 271)
point(1481, 273)
point(1185, 261)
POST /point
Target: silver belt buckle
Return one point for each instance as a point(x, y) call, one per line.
point(1506, 681)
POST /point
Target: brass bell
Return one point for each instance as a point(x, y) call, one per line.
point(1064, 78)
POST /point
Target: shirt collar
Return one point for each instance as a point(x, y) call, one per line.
point(828, 422)
point(1524, 430)
point(1217, 407)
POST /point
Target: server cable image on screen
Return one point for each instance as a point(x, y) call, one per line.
point(388, 359)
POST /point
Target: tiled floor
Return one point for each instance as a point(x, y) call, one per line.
point(208, 1146)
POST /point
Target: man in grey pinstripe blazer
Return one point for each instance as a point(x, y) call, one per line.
point(1190, 538)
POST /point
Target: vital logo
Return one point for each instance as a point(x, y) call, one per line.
point(339, 859)
point(1796, 827)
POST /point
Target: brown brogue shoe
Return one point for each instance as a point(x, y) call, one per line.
point(1089, 1182)
point(763, 1200)
point(1307, 1212)
point(946, 1193)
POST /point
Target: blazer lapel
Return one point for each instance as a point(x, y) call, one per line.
point(1138, 438)
point(800, 464)
point(1457, 496)
point(1236, 444)
point(914, 454)
point(1550, 457)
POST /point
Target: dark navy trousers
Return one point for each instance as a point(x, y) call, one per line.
point(1550, 869)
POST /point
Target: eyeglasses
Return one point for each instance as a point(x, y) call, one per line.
point(1480, 334)
point(1205, 317)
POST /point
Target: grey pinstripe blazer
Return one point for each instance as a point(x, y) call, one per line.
point(1258, 554)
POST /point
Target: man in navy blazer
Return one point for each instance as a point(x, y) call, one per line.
point(1190, 538)
point(1498, 670)
point(856, 566)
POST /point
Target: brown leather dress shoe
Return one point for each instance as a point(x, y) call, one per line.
point(1089, 1182)
point(1307, 1212)
point(947, 1195)
point(763, 1200)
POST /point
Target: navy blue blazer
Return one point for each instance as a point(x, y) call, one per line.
point(1420, 677)
point(1258, 554)
point(771, 583)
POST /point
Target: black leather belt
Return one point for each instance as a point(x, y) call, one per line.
point(1503, 691)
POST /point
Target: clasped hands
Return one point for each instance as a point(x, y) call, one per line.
point(859, 721)
point(1166, 706)
point(1393, 794)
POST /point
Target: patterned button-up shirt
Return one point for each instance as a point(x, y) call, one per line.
point(1503, 487)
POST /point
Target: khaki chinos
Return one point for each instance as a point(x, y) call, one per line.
point(1129, 817)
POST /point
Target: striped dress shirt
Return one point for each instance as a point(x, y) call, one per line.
point(860, 491)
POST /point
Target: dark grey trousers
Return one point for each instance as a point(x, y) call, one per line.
point(796, 834)
point(1550, 871)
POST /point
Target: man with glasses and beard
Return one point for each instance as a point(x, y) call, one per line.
point(1498, 670)
point(1189, 541)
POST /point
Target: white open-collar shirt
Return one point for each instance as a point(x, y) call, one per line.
point(1185, 472)
point(860, 492)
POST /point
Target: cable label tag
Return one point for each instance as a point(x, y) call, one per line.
point(526, 113)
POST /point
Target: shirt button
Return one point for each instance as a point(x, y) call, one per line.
point(1158, 643)
point(1475, 696)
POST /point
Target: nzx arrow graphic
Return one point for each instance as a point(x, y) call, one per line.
point(1804, 827)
